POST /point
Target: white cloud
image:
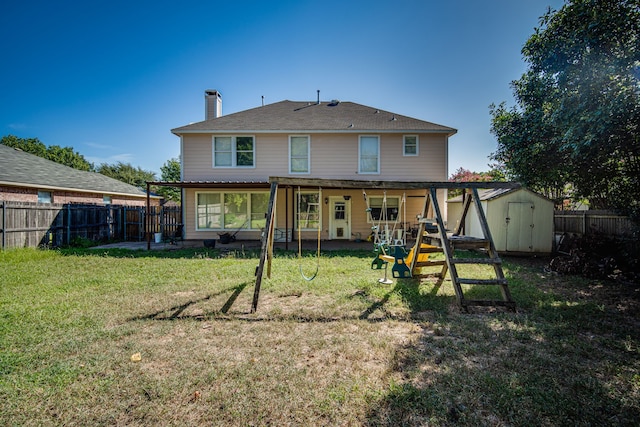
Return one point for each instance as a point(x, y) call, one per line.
point(17, 126)
point(96, 145)
point(123, 158)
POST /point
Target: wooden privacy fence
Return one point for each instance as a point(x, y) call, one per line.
point(164, 219)
point(32, 224)
point(592, 222)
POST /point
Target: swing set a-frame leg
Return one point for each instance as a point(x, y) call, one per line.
point(266, 238)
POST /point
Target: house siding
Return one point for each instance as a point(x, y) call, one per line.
point(333, 156)
point(427, 166)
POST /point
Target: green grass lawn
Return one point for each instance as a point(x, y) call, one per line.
point(339, 350)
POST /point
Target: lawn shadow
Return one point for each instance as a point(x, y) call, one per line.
point(558, 362)
point(414, 295)
point(179, 253)
point(239, 252)
point(176, 312)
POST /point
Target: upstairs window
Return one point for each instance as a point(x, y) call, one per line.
point(410, 145)
point(299, 154)
point(233, 151)
point(369, 155)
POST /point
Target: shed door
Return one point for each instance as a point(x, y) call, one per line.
point(519, 227)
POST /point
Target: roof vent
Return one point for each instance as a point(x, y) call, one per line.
point(393, 119)
point(334, 102)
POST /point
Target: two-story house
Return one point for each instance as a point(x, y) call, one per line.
point(227, 161)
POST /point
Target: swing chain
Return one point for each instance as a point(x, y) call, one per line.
point(319, 227)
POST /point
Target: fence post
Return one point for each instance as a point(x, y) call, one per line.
point(124, 231)
point(4, 224)
point(68, 222)
point(161, 219)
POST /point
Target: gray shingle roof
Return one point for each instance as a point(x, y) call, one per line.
point(20, 168)
point(314, 117)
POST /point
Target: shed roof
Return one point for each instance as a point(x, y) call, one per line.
point(306, 116)
point(494, 193)
point(23, 169)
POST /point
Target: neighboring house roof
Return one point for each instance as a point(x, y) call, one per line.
point(296, 116)
point(23, 169)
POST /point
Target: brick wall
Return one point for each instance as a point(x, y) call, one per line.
point(17, 194)
point(21, 194)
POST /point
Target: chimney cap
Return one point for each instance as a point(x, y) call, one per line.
point(212, 92)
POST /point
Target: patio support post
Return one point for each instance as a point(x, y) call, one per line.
point(147, 217)
point(286, 219)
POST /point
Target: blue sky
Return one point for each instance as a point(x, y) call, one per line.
point(111, 78)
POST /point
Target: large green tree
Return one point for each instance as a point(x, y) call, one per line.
point(576, 122)
point(128, 173)
point(63, 155)
point(170, 172)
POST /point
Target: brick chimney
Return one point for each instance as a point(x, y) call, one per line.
point(213, 104)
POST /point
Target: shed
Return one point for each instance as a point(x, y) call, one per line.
point(520, 220)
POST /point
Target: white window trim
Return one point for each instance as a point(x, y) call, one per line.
point(377, 172)
point(404, 146)
point(222, 194)
point(308, 155)
point(234, 153)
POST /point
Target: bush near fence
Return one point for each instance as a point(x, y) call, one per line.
point(24, 224)
point(597, 245)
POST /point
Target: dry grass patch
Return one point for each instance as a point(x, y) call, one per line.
point(275, 372)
